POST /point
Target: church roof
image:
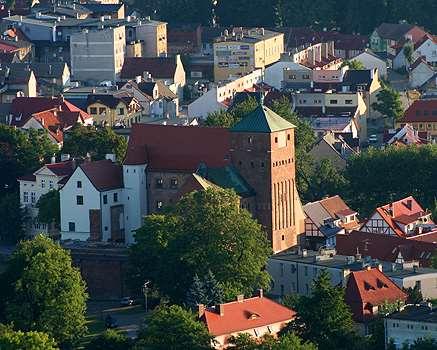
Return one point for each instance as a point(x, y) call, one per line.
point(262, 120)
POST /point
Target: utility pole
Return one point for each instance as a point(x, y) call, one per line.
point(145, 289)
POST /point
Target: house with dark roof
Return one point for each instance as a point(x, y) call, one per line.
point(420, 73)
point(256, 316)
point(367, 291)
point(16, 82)
point(169, 70)
point(32, 186)
point(255, 158)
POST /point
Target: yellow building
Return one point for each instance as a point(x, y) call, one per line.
point(241, 51)
point(109, 110)
point(152, 34)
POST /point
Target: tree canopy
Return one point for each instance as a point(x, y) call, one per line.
point(49, 208)
point(97, 142)
point(205, 231)
point(14, 218)
point(41, 291)
point(286, 342)
point(389, 104)
point(19, 340)
point(110, 339)
point(172, 327)
point(353, 64)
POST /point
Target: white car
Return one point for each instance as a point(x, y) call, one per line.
point(126, 301)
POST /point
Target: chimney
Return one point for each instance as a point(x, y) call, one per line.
point(240, 298)
point(65, 157)
point(221, 309)
point(110, 156)
point(53, 159)
point(200, 310)
point(260, 293)
point(380, 267)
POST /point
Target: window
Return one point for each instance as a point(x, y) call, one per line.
point(418, 284)
point(276, 140)
point(51, 184)
point(115, 197)
point(26, 198)
point(93, 110)
point(333, 102)
point(79, 184)
point(121, 111)
point(159, 205)
point(174, 183)
point(250, 140)
point(252, 164)
point(159, 183)
point(71, 227)
point(348, 102)
point(102, 110)
point(105, 199)
point(283, 237)
point(32, 197)
point(43, 183)
point(79, 200)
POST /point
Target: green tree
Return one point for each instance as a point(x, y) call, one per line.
point(227, 119)
point(97, 142)
point(286, 342)
point(14, 218)
point(110, 339)
point(414, 295)
point(206, 230)
point(22, 152)
point(353, 64)
point(19, 340)
point(41, 291)
point(172, 327)
point(389, 104)
point(213, 289)
point(207, 291)
point(408, 52)
point(323, 318)
point(49, 208)
point(196, 294)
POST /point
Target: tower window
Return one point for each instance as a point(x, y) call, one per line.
point(250, 140)
point(283, 237)
point(288, 137)
point(276, 140)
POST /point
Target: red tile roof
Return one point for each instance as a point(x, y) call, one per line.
point(50, 121)
point(29, 177)
point(421, 111)
point(24, 107)
point(158, 67)
point(246, 314)
point(179, 148)
point(385, 247)
point(402, 211)
point(103, 174)
point(368, 288)
point(62, 168)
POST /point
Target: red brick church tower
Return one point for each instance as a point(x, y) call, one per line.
point(262, 149)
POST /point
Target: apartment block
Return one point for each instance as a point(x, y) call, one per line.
point(153, 36)
point(98, 55)
point(241, 51)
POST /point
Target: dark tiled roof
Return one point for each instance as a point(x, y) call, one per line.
point(262, 120)
point(179, 148)
point(159, 67)
point(106, 99)
point(354, 78)
point(103, 174)
point(421, 111)
point(62, 168)
point(393, 31)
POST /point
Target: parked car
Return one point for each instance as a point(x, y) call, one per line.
point(126, 301)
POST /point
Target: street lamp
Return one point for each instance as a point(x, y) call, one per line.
point(145, 289)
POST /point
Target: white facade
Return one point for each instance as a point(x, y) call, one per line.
point(213, 100)
point(371, 61)
point(428, 49)
point(404, 331)
point(274, 74)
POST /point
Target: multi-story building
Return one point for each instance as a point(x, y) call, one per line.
point(98, 55)
point(422, 116)
point(410, 324)
point(241, 51)
point(316, 56)
point(255, 158)
point(33, 186)
point(152, 35)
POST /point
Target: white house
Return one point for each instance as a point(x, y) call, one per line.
point(371, 61)
point(33, 186)
point(420, 73)
point(274, 74)
point(427, 48)
point(214, 99)
point(103, 201)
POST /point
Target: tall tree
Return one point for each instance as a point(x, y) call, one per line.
point(49, 208)
point(97, 142)
point(205, 231)
point(323, 318)
point(414, 295)
point(389, 104)
point(172, 327)
point(207, 291)
point(14, 218)
point(110, 339)
point(41, 291)
point(19, 340)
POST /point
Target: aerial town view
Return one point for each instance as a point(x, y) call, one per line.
point(218, 174)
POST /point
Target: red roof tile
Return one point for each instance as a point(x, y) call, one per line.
point(385, 247)
point(29, 177)
point(159, 67)
point(104, 174)
point(421, 111)
point(246, 314)
point(368, 288)
point(62, 168)
point(179, 148)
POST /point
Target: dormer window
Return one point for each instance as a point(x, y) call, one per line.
point(159, 183)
